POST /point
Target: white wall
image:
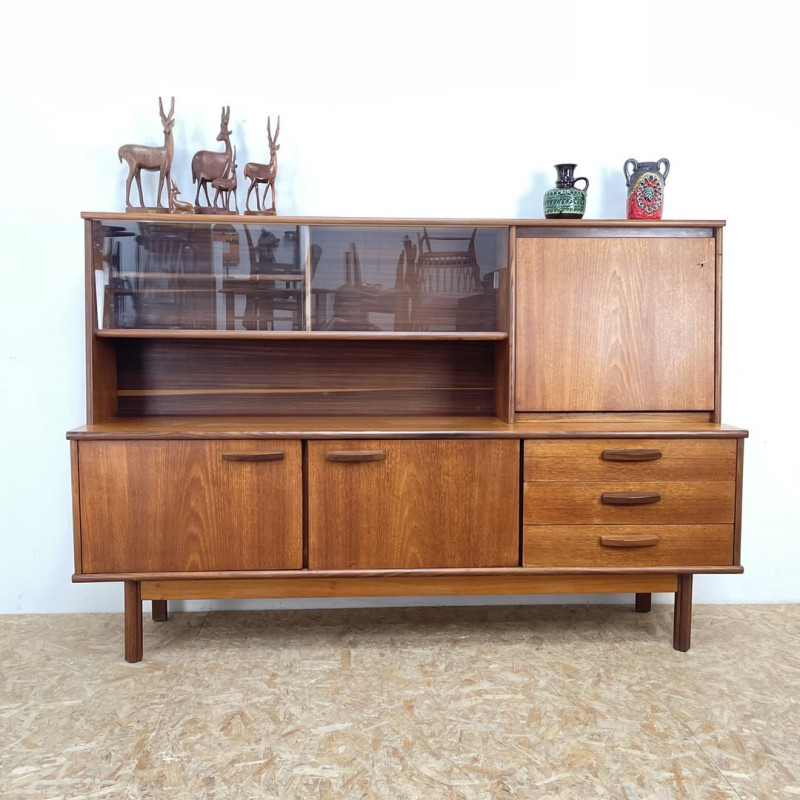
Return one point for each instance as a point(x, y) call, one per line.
point(403, 109)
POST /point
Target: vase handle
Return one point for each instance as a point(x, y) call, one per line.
point(628, 175)
point(665, 162)
point(585, 188)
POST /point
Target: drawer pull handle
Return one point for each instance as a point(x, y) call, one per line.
point(273, 456)
point(629, 498)
point(352, 456)
point(632, 455)
point(629, 540)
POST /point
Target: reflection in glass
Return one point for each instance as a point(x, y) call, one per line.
point(273, 277)
point(408, 279)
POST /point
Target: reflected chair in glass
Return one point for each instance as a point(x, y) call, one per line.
point(354, 302)
point(445, 279)
point(163, 256)
point(274, 291)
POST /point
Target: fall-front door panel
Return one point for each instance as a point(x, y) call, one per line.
point(190, 506)
point(615, 324)
point(413, 504)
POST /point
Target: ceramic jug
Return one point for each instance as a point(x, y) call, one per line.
point(645, 183)
point(565, 201)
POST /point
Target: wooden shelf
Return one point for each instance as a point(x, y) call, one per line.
point(209, 219)
point(342, 427)
point(368, 336)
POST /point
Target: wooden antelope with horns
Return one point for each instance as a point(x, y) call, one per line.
point(140, 156)
point(208, 165)
point(264, 174)
point(227, 186)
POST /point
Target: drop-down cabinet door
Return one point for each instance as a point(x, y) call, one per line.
point(620, 323)
point(389, 504)
point(190, 506)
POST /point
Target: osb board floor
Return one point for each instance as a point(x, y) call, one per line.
point(586, 702)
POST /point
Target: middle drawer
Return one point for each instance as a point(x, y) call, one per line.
point(628, 502)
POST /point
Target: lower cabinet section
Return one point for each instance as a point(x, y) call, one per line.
point(190, 506)
point(201, 518)
point(413, 504)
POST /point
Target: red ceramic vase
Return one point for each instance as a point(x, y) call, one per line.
point(645, 182)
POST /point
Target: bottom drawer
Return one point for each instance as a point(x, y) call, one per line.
point(627, 545)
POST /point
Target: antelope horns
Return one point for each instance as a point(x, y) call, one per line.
point(171, 109)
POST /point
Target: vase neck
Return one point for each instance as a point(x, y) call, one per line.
point(565, 175)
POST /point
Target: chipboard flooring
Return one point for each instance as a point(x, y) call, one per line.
point(470, 703)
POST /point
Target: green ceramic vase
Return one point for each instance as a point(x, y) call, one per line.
point(565, 201)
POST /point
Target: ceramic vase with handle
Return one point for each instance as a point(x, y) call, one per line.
point(645, 182)
point(565, 201)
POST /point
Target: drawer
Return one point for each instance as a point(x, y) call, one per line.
point(623, 503)
point(630, 459)
point(627, 545)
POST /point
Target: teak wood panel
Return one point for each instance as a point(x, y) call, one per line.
point(583, 545)
point(581, 503)
point(398, 586)
point(605, 459)
point(182, 506)
point(615, 324)
point(423, 504)
point(194, 376)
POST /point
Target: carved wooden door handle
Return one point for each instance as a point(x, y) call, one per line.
point(353, 456)
point(629, 540)
point(641, 454)
point(276, 455)
point(629, 498)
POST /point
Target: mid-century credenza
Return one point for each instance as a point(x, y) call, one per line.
point(318, 407)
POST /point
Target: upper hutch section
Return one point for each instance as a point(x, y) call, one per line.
point(193, 315)
point(207, 273)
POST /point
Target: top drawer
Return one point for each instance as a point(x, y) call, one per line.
point(629, 459)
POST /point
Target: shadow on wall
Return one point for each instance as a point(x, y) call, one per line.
point(530, 204)
point(611, 194)
point(605, 199)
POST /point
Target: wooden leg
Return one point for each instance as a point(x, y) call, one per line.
point(682, 625)
point(644, 602)
point(133, 621)
point(160, 613)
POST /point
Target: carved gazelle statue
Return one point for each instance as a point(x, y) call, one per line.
point(264, 174)
point(227, 186)
point(140, 156)
point(208, 165)
point(178, 206)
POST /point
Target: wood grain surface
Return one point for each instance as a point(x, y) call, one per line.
point(681, 459)
point(580, 503)
point(195, 376)
point(580, 545)
point(426, 504)
point(156, 506)
point(407, 586)
point(612, 324)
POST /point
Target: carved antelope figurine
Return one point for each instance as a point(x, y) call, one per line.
point(264, 174)
point(227, 185)
point(178, 206)
point(208, 165)
point(140, 156)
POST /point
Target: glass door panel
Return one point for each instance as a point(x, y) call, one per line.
point(199, 276)
point(396, 278)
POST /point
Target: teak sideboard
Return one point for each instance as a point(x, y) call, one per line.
point(319, 407)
